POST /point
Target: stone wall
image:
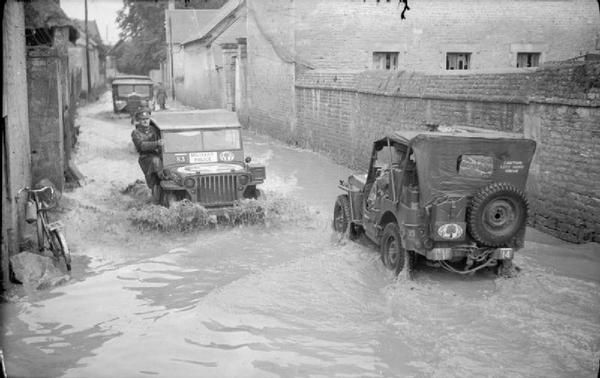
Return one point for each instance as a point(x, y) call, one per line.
point(44, 70)
point(342, 113)
point(271, 67)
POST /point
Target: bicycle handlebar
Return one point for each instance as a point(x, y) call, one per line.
point(40, 190)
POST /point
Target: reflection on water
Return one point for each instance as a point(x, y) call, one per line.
point(300, 305)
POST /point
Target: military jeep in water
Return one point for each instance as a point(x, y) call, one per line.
point(203, 159)
point(453, 197)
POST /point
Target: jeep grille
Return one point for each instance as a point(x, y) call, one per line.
point(217, 189)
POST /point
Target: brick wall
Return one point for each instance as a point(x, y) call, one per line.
point(342, 113)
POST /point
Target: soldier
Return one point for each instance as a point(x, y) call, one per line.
point(161, 96)
point(147, 143)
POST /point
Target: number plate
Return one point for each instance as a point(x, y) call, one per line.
point(55, 226)
point(504, 253)
point(203, 157)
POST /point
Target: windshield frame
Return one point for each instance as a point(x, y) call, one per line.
point(172, 140)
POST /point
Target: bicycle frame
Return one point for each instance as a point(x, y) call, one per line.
point(46, 231)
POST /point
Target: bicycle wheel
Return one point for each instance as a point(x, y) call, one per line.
point(42, 233)
point(60, 248)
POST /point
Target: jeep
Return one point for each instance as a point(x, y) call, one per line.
point(203, 159)
point(453, 196)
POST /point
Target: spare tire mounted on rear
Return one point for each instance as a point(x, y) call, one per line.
point(497, 213)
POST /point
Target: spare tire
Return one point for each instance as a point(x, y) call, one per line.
point(497, 214)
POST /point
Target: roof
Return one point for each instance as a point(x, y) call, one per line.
point(48, 14)
point(211, 118)
point(237, 30)
point(131, 79)
point(132, 82)
point(184, 20)
point(92, 29)
point(407, 136)
point(224, 17)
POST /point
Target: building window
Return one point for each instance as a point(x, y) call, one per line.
point(385, 60)
point(38, 37)
point(528, 59)
point(458, 61)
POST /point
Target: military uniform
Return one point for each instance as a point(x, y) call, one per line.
point(146, 141)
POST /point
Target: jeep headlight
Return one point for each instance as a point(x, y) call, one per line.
point(450, 231)
point(189, 182)
point(243, 179)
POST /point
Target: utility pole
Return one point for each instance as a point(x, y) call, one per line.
point(171, 58)
point(87, 54)
point(170, 7)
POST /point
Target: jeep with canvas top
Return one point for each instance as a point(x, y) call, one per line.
point(454, 196)
point(203, 159)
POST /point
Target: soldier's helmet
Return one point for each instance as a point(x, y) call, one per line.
point(142, 113)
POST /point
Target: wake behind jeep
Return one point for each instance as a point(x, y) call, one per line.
point(454, 197)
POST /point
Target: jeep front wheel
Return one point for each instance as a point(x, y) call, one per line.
point(342, 218)
point(393, 255)
point(497, 213)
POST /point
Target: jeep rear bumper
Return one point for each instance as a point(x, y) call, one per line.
point(450, 253)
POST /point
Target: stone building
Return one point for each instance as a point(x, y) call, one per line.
point(48, 34)
point(335, 74)
point(77, 57)
point(180, 24)
point(203, 49)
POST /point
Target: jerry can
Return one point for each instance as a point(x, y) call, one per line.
point(30, 212)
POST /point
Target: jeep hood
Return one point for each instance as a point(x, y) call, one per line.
point(438, 160)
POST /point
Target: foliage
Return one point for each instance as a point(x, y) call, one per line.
point(143, 33)
point(186, 216)
point(142, 25)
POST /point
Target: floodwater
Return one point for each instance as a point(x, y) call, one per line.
point(286, 299)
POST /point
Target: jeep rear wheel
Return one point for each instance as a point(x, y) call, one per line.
point(342, 218)
point(497, 214)
point(393, 255)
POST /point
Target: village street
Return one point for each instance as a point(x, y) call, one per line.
point(287, 298)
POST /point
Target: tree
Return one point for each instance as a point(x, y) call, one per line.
point(142, 25)
point(142, 29)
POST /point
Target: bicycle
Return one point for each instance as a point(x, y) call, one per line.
point(49, 235)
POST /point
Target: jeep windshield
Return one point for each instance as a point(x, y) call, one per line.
point(141, 90)
point(202, 140)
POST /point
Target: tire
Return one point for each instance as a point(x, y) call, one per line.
point(41, 234)
point(393, 255)
point(59, 244)
point(342, 223)
point(168, 198)
point(258, 194)
point(252, 193)
point(497, 214)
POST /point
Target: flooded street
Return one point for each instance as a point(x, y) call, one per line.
point(284, 299)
